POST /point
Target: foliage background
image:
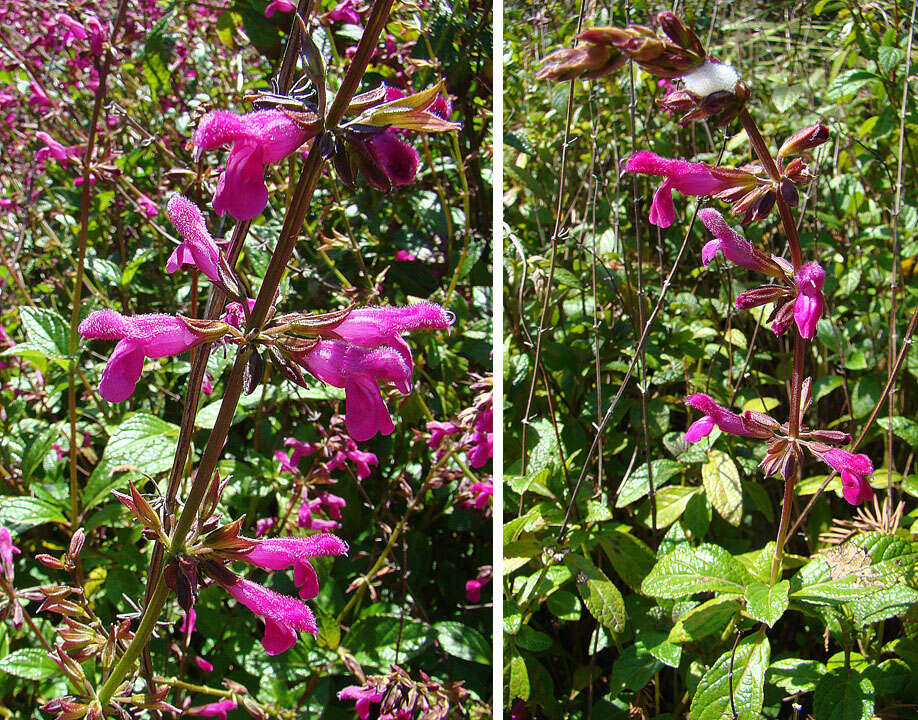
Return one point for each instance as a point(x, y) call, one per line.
point(583, 636)
point(178, 61)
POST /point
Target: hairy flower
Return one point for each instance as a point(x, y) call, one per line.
point(808, 305)
point(197, 248)
point(734, 246)
point(139, 336)
point(371, 350)
point(281, 553)
point(687, 177)
point(854, 471)
point(714, 414)
point(257, 139)
point(473, 587)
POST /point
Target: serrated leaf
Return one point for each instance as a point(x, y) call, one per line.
point(882, 604)
point(796, 675)
point(889, 58)
point(47, 331)
point(707, 619)
point(686, 570)
point(843, 694)
point(629, 555)
point(905, 428)
point(748, 663)
point(637, 485)
point(722, 483)
point(601, 597)
point(27, 512)
point(671, 503)
point(767, 604)
point(29, 663)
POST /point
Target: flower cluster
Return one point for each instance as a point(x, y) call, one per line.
point(474, 426)
point(401, 698)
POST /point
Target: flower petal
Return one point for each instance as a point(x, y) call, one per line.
point(122, 371)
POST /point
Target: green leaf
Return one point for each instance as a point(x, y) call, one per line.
point(637, 485)
point(743, 671)
point(564, 605)
point(905, 428)
point(633, 669)
point(784, 97)
point(795, 674)
point(671, 503)
point(48, 332)
point(27, 512)
point(707, 619)
point(767, 604)
point(843, 694)
point(378, 640)
point(37, 448)
point(882, 604)
point(686, 570)
point(462, 641)
point(519, 678)
point(762, 405)
point(889, 58)
point(629, 555)
point(600, 596)
point(722, 483)
point(533, 640)
point(29, 663)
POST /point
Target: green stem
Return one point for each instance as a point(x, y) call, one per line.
point(466, 206)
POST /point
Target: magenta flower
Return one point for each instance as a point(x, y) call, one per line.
point(279, 5)
point(363, 696)
point(257, 139)
point(262, 526)
point(371, 349)
point(473, 587)
point(54, 149)
point(214, 709)
point(139, 336)
point(687, 177)
point(808, 305)
point(345, 12)
point(854, 471)
point(149, 207)
point(482, 439)
point(482, 492)
point(307, 520)
point(197, 248)
point(405, 256)
point(438, 431)
point(714, 414)
point(7, 550)
point(98, 34)
point(73, 29)
point(362, 460)
point(281, 553)
point(283, 615)
point(734, 246)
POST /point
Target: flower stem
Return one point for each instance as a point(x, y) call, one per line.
point(793, 241)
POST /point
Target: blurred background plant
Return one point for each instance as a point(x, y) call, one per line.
point(400, 603)
point(646, 638)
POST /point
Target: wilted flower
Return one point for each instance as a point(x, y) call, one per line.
point(140, 336)
point(257, 139)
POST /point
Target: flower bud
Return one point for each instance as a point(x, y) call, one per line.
point(805, 139)
point(677, 31)
point(76, 543)
point(50, 562)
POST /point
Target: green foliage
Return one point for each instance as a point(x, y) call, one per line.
point(686, 533)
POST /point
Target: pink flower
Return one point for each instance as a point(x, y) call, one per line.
point(405, 256)
point(300, 449)
point(283, 615)
point(714, 414)
point(363, 696)
point(345, 12)
point(149, 207)
point(187, 626)
point(257, 139)
point(98, 34)
point(281, 5)
point(305, 518)
point(207, 384)
point(197, 248)
point(53, 148)
point(687, 177)
point(473, 587)
point(139, 336)
point(482, 492)
point(262, 526)
point(392, 162)
point(854, 471)
point(215, 709)
point(7, 550)
point(281, 553)
point(808, 305)
point(371, 350)
point(74, 30)
point(482, 439)
point(734, 246)
point(438, 431)
point(203, 664)
point(39, 97)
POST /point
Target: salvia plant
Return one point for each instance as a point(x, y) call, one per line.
point(154, 606)
point(690, 625)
